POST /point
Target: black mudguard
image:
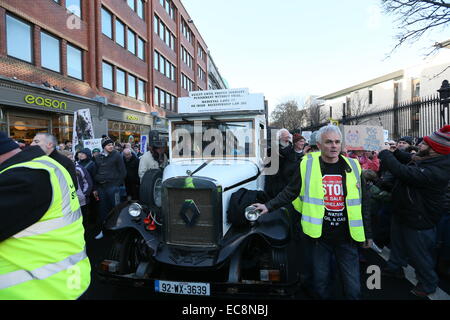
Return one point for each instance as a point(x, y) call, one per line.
point(120, 219)
point(273, 227)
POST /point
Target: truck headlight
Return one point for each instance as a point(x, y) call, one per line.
point(135, 210)
point(251, 213)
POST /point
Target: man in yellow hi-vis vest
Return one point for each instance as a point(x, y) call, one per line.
point(328, 191)
point(42, 247)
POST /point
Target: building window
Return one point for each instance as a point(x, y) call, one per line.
point(131, 45)
point(131, 86)
point(140, 9)
point(141, 90)
point(107, 76)
point(156, 97)
point(141, 49)
point(106, 23)
point(74, 6)
point(50, 52)
point(16, 29)
point(74, 62)
point(120, 33)
point(186, 83)
point(164, 33)
point(370, 96)
point(120, 81)
point(416, 90)
point(201, 74)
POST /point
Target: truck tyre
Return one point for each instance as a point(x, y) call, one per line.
point(150, 191)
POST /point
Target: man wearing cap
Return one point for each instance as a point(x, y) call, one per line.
point(419, 198)
point(405, 142)
point(42, 248)
point(109, 175)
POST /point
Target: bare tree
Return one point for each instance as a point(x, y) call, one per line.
point(358, 106)
point(315, 114)
point(417, 17)
point(287, 115)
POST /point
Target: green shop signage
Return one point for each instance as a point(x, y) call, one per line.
point(45, 102)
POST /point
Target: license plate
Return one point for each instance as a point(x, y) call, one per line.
point(185, 288)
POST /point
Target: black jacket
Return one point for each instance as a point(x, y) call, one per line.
point(418, 196)
point(25, 194)
point(292, 191)
point(66, 163)
point(110, 169)
point(132, 167)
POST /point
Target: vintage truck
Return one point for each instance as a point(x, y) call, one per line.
point(178, 238)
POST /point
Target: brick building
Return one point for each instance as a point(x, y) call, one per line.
point(125, 60)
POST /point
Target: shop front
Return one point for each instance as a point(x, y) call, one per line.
point(127, 126)
point(26, 110)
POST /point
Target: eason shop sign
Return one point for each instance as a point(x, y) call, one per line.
point(45, 102)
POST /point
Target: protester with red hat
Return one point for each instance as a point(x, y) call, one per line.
point(418, 202)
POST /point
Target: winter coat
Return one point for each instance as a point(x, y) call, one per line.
point(88, 163)
point(418, 195)
point(132, 167)
point(110, 169)
point(85, 184)
point(147, 162)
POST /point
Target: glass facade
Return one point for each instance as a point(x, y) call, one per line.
point(122, 131)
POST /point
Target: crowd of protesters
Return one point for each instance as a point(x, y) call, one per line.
point(407, 191)
point(102, 177)
point(399, 199)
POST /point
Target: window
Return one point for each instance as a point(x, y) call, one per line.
point(131, 42)
point(106, 23)
point(140, 9)
point(164, 33)
point(131, 4)
point(74, 6)
point(50, 52)
point(173, 76)
point(156, 24)
point(120, 81)
point(120, 33)
point(107, 76)
point(141, 49)
point(186, 83)
point(156, 97)
point(156, 60)
point(162, 64)
point(417, 90)
point(370, 96)
point(141, 90)
point(74, 62)
point(16, 29)
point(131, 86)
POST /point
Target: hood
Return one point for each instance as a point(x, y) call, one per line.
point(87, 152)
point(225, 172)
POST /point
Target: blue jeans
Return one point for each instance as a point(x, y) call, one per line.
point(418, 248)
point(109, 198)
point(347, 263)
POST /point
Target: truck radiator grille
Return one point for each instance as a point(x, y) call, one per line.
point(202, 230)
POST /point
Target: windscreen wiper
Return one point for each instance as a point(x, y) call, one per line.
point(204, 164)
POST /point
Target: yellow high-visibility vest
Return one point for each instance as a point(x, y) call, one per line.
point(47, 260)
point(310, 202)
